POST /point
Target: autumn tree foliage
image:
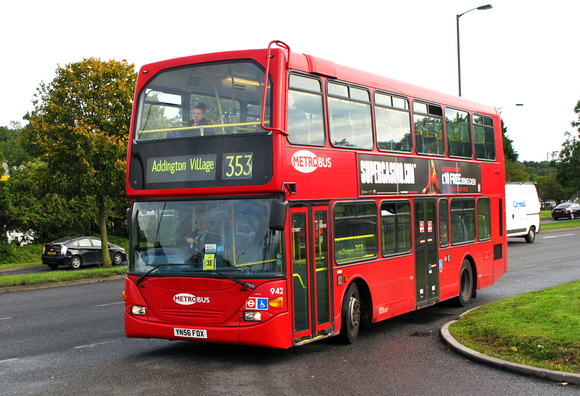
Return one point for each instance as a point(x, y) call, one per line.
point(79, 128)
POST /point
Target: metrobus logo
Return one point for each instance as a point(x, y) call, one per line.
point(189, 299)
point(305, 161)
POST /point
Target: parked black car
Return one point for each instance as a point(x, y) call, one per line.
point(77, 252)
point(566, 210)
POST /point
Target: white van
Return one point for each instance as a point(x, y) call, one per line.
point(522, 211)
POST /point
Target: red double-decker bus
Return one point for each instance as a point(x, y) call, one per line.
point(279, 198)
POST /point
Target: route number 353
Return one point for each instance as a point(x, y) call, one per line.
point(237, 166)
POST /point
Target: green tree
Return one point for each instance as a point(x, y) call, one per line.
point(568, 163)
point(514, 171)
point(79, 128)
point(5, 209)
point(10, 146)
point(509, 153)
point(34, 205)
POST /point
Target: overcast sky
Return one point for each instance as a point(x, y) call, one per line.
point(520, 51)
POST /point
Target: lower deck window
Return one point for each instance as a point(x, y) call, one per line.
point(483, 219)
point(462, 220)
point(395, 227)
point(355, 231)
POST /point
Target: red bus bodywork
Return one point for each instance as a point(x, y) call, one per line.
point(320, 184)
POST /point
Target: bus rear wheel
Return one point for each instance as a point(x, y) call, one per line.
point(465, 284)
point(351, 315)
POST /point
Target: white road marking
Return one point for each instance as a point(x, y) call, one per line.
point(93, 345)
point(557, 236)
point(106, 305)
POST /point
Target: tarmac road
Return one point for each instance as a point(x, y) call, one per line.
point(70, 341)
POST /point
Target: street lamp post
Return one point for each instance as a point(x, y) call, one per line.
point(483, 7)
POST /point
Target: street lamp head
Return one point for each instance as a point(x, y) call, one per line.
point(515, 104)
point(483, 7)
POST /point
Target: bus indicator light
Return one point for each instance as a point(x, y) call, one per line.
point(277, 302)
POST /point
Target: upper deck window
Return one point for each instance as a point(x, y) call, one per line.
point(202, 100)
point(428, 119)
point(393, 123)
point(458, 133)
point(483, 137)
point(305, 117)
point(349, 116)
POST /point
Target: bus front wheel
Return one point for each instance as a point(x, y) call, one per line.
point(465, 284)
point(351, 315)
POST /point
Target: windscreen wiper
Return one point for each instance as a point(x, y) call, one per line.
point(140, 279)
point(246, 284)
point(156, 267)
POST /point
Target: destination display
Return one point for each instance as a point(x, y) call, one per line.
point(200, 167)
point(381, 175)
point(181, 168)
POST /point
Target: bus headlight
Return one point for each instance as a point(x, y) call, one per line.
point(138, 310)
point(251, 316)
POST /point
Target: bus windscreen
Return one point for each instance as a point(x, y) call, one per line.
point(192, 237)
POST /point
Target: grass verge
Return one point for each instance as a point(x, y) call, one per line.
point(545, 214)
point(59, 276)
point(560, 224)
point(537, 329)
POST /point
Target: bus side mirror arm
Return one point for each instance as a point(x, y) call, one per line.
point(280, 44)
point(129, 219)
point(278, 211)
point(290, 187)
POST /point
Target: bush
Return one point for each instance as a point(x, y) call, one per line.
point(11, 253)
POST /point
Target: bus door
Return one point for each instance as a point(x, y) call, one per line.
point(310, 272)
point(426, 265)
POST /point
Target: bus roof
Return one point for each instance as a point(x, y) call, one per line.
point(312, 64)
point(323, 67)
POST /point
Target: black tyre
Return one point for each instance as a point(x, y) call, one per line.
point(465, 284)
point(351, 315)
point(75, 262)
point(531, 237)
point(117, 258)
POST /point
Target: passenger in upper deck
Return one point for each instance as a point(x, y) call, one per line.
point(198, 119)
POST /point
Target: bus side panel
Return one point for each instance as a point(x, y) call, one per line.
point(483, 257)
point(323, 174)
point(395, 294)
point(392, 295)
point(450, 265)
point(450, 261)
